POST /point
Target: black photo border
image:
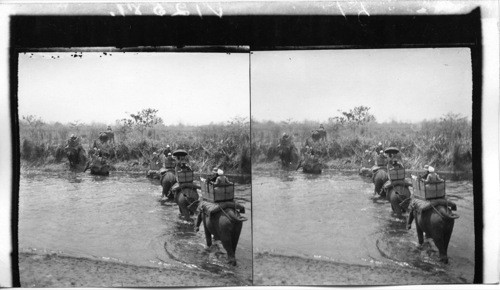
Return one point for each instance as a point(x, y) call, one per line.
point(271, 32)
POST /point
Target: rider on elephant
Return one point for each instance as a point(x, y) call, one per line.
point(214, 176)
point(381, 159)
point(169, 162)
point(167, 150)
point(433, 177)
point(396, 165)
point(98, 155)
point(378, 148)
point(182, 164)
point(73, 142)
point(221, 178)
point(424, 176)
point(285, 140)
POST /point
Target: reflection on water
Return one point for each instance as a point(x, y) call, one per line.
point(119, 218)
point(334, 216)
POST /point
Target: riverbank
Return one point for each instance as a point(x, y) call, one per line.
point(274, 270)
point(53, 270)
point(342, 165)
point(121, 166)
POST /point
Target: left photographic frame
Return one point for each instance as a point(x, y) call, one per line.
point(116, 147)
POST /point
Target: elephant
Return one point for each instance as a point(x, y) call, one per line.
point(436, 221)
point(98, 166)
point(310, 165)
point(224, 223)
point(318, 135)
point(76, 156)
point(185, 195)
point(107, 136)
point(288, 155)
point(105, 149)
point(167, 180)
point(398, 194)
point(380, 177)
point(366, 172)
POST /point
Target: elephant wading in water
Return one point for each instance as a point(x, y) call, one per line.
point(436, 220)
point(379, 178)
point(167, 180)
point(398, 194)
point(224, 222)
point(98, 166)
point(76, 156)
point(185, 196)
point(310, 164)
point(289, 155)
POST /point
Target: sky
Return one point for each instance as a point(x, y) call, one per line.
point(406, 85)
point(187, 88)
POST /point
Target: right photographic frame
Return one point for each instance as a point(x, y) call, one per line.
point(365, 159)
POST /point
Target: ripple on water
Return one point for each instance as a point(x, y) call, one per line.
point(117, 217)
point(334, 216)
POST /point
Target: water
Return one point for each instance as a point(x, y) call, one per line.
point(119, 218)
point(334, 217)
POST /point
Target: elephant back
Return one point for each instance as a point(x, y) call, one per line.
point(168, 176)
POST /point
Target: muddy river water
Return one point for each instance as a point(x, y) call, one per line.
point(334, 217)
point(119, 218)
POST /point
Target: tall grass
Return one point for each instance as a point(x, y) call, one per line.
point(445, 143)
point(215, 145)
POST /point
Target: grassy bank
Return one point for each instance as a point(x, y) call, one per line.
point(216, 145)
point(446, 144)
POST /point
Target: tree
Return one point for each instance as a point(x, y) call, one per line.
point(145, 119)
point(124, 127)
point(356, 117)
point(35, 123)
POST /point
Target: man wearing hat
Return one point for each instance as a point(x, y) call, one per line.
point(169, 161)
point(432, 176)
point(381, 159)
point(167, 150)
point(73, 141)
point(214, 175)
point(396, 165)
point(424, 176)
point(221, 179)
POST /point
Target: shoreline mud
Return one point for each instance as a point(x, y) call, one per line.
point(278, 270)
point(56, 270)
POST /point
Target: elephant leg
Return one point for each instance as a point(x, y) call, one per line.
point(420, 234)
point(444, 240)
point(185, 211)
point(394, 199)
point(236, 235)
point(227, 241)
point(208, 235)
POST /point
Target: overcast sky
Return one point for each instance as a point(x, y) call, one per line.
point(192, 88)
point(397, 84)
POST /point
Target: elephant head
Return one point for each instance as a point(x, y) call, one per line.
point(380, 177)
point(98, 166)
point(318, 135)
point(167, 180)
point(185, 197)
point(288, 155)
point(399, 196)
point(76, 156)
